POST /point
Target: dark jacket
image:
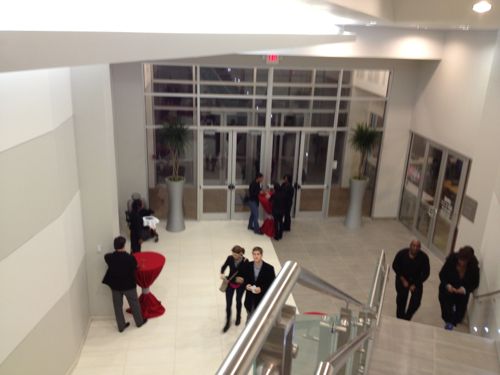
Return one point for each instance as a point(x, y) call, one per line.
point(121, 271)
point(449, 275)
point(230, 262)
point(253, 191)
point(288, 192)
point(415, 271)
point(263, 281)
point(136, 222)
point(278, 201)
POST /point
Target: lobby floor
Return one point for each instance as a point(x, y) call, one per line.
point(188, 339)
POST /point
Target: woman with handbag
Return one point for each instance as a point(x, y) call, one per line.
point(233, 282)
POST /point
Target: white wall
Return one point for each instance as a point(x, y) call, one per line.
point(91, 90)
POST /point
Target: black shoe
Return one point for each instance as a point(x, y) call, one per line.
point(226, 327)
point(276, 238)
point(143, 322)
point(238, 321)
point(124, 327)
point(156, 239)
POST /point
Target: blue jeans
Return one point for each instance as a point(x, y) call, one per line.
point(253, 221)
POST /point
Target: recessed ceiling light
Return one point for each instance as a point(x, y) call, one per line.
point(482, 6)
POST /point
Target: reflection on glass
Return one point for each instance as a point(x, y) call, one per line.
point(327, 76)
point(283, 159)
point(173, 116)
point(172, 72)
point(215, 201)
point(322, 119)
point(226, 90)
point(247, 157)
point(239, 205)
point(289, 75)
point(368, 83)
point(215, 152)
point(314, 162)
point(226, 74)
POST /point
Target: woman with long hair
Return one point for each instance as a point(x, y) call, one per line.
point(236, 263)
point(459, 278)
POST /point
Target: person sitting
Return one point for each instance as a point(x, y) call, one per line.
point(459, 278)
point(147, 232)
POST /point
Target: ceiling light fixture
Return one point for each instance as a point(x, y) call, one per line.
point(482, 6)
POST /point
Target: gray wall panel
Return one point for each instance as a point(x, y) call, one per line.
point(40, 178)
point(54, 344)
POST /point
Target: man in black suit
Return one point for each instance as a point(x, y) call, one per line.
point(120, 277)
point(259, 276)
point(288, 190)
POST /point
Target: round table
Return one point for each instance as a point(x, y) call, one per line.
point(149, 266)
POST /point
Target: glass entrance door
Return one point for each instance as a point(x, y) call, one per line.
point(231, 160)
point(433, 190)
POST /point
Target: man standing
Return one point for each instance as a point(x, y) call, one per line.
point(287, 188)
point(412, 268)
point(253, 203)
point(120, 277)
point(258, 278)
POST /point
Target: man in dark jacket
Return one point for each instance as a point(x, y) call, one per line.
point(120, 277)
point(278, 202)
point(412, 268)
point(288, 190)
point(259, 276)
point(253, 203)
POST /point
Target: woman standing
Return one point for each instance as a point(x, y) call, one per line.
point(459, 278)
point(236, 263)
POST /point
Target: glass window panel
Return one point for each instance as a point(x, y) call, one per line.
point(283, 157)
point(342, 121)
point(314, 162)
point(324, 104)
point(173, 101)
point(291, 104)
point(322, 119)
point(239, 205)
point(288, 119)
point(292, 91)
point(227, 103)
point(174, 88)
point(260, 90)
point(262, 75)
point(226, 74)
point(370, 83)
point(173, 116)
point(295, 76)
point(173, 72)
point(371, 112)
point(327, 76)
point(345, 91)
point(346, 77)
point(215, 153)
point(247, 157)
point(260, 104)
point(325, 91)
point(261, 119)
point(311, 199)
point(238, 118)
point(226, 90)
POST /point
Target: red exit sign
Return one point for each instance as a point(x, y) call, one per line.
point(272, 59)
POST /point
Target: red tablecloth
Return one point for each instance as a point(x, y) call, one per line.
point(149, 266)
point(268, 225)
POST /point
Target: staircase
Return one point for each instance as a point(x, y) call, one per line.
point(402, 347)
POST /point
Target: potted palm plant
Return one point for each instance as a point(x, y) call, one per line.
point(362, 140)
point(174, 137)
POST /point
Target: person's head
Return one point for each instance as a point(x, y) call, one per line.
point(466, 256)
point(136, 205)
point(414, 247)
point(257, 254)
point(119, 243)
point(136, 196)
point(287, 179)
point(237, 252)
point(259, 177)
point(276, 186)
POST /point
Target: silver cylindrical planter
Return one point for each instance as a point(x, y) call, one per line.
point(175, 213)
point(357, 192)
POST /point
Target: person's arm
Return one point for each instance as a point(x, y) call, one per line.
point(426, 269)
point(396, 266)
point(472, 281)
point(444, 275)
point(226, 264)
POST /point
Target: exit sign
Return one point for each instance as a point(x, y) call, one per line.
point(272, 59)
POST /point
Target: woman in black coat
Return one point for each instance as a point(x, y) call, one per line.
point(459, 278)
point(237, 265)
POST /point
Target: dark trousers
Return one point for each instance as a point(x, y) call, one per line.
point(402, 297)
point(287, 222)
point(135, 241)
point(278, 225)
point(453, 306)
point(133, 302)
point(229, 300)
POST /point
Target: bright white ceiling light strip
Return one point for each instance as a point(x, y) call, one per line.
point(171, 16)
point(481, 6)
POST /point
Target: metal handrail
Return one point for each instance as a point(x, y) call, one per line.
point(375, 282)
point(489, 294)
point(340, 357)
point(254, 335)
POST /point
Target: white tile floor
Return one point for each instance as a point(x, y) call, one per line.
point(188, 338)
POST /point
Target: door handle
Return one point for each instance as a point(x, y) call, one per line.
point(231, 186)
